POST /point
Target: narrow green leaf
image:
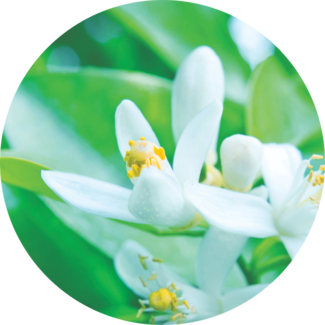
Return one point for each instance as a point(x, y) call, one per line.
point(24, 173)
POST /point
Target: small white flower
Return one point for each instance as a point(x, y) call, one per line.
point(294, 199)
point(163, 292)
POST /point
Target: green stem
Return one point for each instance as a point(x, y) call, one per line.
point(246, 270)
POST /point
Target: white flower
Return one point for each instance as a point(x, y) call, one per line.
point(164, 293)
point(294, 200)
point(157, 197)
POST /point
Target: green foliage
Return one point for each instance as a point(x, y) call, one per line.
point(63, 119)
point(280, 108)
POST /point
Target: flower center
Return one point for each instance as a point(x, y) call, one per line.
point(163, 299)
point(143, 154)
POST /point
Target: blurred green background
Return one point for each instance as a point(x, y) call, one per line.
point(62, 117)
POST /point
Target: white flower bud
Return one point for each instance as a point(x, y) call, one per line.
point(241, 158)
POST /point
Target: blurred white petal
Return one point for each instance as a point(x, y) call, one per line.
point(217, 255)
point(91, 195)
point(157, 199)
point(231, 211)
point(198, 81)
point(195, 141)
point(260, 191)
point(293, 244)
point(279, 166)
point(236, 297)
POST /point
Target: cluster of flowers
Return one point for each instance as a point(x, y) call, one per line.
point(173, 197)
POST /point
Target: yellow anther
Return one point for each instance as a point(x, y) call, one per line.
point(322, 167)
point(152, 277)
point(144, 283)
point(186, 304)
point(160, 152)
point(309, 166)
point(174, 286)
point(312, 198)
point(157, 260)
point(136, 170)
point(193, 310)
point(142, 304)
point(143, 154)
point(317, 179)
point(152, 320)
point(141, 310)
point(130, 174)
point(143, 261)
point(317, 157)
point(311, 173)
point(176, 316)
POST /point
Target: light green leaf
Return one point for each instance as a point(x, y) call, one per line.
point(280, 108)
point(23, 173)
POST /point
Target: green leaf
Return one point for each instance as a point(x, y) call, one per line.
point(173, 28)
point(70, 262)
point(23, 173)
point(280, 108)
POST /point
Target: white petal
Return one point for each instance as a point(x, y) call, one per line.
point(195, 141)
point(241, 157)
point(260, 191)
point(199, 81)
point(157, 199)
point(130, 124)
point(236, 297)
point(91, 195)
point(217, 255)
point(129, 269)
point(231, 211)
point(293, 243)
point(300, 221)
point(279, 166)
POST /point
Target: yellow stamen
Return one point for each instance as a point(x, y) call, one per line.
point(144, 283)
point(322, 167)
point(157, 260)
point(142, 304)
point(317, 157)
point(130, 174)
point(141, 310)
point(176, 316)
point(312, 198)
point(317, 179)
point(160, 152)
point(309, 166)
point(143, 154)
point(186, 304)
point(311, 173)
point(174, 287)
point(143, 262)
point(152, 277)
